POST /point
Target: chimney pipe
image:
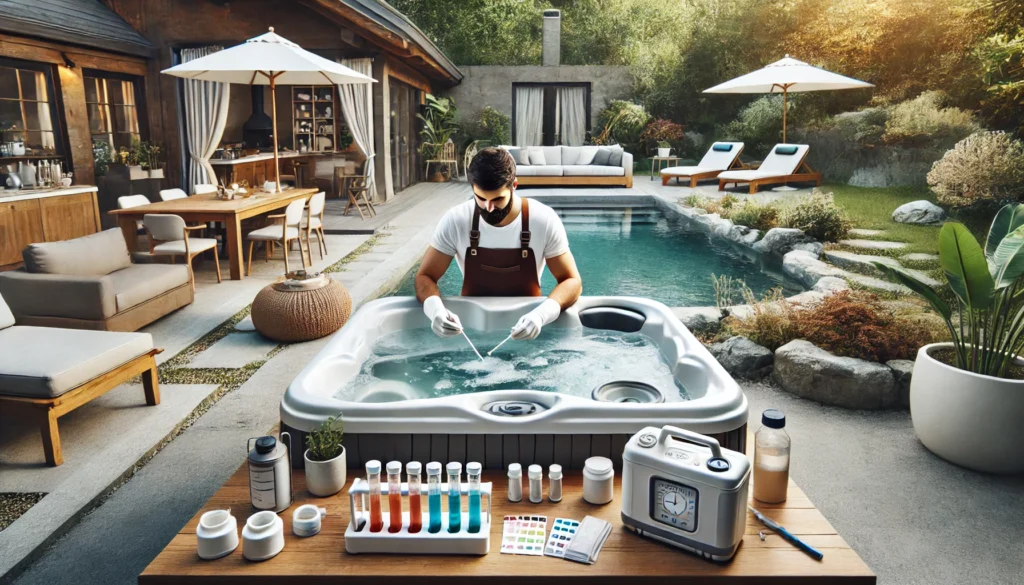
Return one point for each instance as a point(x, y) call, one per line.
point(551, 46)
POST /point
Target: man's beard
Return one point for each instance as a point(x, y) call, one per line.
point(497, 215)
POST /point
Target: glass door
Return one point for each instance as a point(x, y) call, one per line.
point(405, 159)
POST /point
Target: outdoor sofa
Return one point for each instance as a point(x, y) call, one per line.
point(46, 372)
point(91, 283)
point(572, 165)
point(785, 164)
point(722, 156)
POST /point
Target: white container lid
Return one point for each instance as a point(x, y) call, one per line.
point(474, 467)
point(598, 468)
point(515, 470)
point(434, 468)
point(414, 468)
point(394, 467)
point(454, 467)
point(373, 466)
point(555, 471)
point(536, 471)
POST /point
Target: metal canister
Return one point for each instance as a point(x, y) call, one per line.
point(270, 473)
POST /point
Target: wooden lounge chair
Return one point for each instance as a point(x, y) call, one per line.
point(46, 372)
point(785, 164)
point(722, 156)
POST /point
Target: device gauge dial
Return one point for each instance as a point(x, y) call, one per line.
point(674, 504)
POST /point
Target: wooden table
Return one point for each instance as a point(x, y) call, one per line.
point(656, 163)
point(625, 559)
point(206, 208)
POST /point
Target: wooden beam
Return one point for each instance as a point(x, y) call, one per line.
point(47, 52)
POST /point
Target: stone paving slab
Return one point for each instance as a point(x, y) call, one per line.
point(877, 283)
point(245, 324)
point(920, 257)
point(236, 350)
point(865, 261)
point(863, 232)
point(873, 244)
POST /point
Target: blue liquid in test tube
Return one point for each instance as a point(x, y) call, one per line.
point(454, 497)
point(434, 496)
point(473, 470)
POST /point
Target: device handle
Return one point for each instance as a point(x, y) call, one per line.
point(691, 437)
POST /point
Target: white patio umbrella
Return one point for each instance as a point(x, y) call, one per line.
point(268, 59)
point(787, 75)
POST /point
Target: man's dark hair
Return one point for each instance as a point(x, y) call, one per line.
point(492, 169)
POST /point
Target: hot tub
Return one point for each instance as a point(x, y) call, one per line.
point(409, 414)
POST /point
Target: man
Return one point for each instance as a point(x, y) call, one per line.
point(503, 255)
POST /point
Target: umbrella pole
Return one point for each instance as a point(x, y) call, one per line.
point(273, 117)
point(784, 92)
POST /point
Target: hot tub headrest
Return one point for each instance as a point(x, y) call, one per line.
point(614, 318)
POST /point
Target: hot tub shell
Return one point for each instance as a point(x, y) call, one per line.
point(565, 429)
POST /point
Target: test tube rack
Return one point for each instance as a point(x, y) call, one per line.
point(359, 539)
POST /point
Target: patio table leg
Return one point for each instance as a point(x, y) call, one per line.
point(128, 227)
point(235, 258)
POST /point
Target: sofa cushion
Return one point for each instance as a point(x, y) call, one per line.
point(602, 156)
point(515, 154)
point(539, 171)
point(93, 255)
point(6, 316)
point(48, 362)
point(615, 158)
point(586, 155)
point(141, 282)
point(592, 171)
point(537, 157)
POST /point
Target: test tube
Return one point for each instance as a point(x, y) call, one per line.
point(473, 477)
point(454, 496)
point(373, 479)
point(394, 496)
point(434, 496)
point(412, 470)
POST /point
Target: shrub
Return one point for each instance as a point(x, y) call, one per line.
point(923, 121)
point(987, 166)
point(817, 216)
point(693, 145)
point(494, 127)
point(661, 130)
point(770, 323)
point(722, 207)
point(693, 200)
point(621, 123)
point(758, 216)
point(758, 126)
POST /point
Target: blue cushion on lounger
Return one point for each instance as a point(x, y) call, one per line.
point(786, 149)
point(722, 147)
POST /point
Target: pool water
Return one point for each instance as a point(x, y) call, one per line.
point(415, 363)
point(638, 251)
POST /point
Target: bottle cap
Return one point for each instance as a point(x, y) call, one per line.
point(373, 466)
point(454, 468)
point(773, 419)
point(515, 470)
point(598, 465)
point(413, 468)
point(434, 468)
point(474, 467)
point(536, 472)
point(555, 471)
point(394, 467)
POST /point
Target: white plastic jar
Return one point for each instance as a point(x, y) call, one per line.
point(598, 480)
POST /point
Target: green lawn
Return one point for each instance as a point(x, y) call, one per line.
point(872, 207)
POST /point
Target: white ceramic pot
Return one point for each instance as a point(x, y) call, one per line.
point(325, 478)
point(156, 173)
point(217, 534)
point(262, 536)
point(136, 173)
point(664, 152)
point(968, 419)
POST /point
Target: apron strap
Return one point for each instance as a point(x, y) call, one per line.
point(524, 236)
point(474, 232)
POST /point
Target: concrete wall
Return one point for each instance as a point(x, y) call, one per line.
point(491, 85)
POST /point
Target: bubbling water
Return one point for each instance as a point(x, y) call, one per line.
point(568, 361)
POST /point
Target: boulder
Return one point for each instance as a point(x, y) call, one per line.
point(743, 358)
point(902, 370)
point(778, 241)
point(741, 234)
point(698, 318)
point(808, 371)
point(806, 268)
point(830, 284)
point(920, 212)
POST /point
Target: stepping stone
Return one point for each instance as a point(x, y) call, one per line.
point(864, 261)
point(863, 233)
point(873, 244)
point(919, 257)
point(877, 283)
point(234, 351)
point(245, 325)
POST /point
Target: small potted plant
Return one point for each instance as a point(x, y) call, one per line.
point(156, 169)
point(325, 459)
point(664, 149)
point(133, 157)
point(662, 132)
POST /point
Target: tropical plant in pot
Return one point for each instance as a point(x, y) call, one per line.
point(438, 128)
point(965, 400)
point(325, 458)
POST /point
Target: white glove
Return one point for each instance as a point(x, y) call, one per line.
point(530, 324)
point(443, 322)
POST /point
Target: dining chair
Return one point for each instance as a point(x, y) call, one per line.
point(168, 236)
point(283, 233)
point(314, 224)
point(129, 201)
point(359, 187)
point(444, 156)
point(172, 194)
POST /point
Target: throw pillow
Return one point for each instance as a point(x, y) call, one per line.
point(722, 147)
point(786, 149)
point(537, 157)
point(615, 159)
point(586, 155)
point(515, 154)
point(601, 156)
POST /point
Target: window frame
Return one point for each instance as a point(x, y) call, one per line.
point(139, 90)
point(54, 99)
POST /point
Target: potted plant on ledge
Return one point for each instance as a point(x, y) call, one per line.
point(967, 396)
point(325, 459)
point(663, 133)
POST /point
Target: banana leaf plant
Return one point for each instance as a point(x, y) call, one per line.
point(988, 328)
point(438, 124)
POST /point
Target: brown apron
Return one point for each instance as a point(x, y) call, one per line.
point(500, 272)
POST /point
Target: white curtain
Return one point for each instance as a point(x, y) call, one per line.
point(357, 107)
point(529, 116)
point(572, 124)
point(45, 123)
point(206, 114)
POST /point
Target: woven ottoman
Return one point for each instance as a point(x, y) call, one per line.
point(301, 307)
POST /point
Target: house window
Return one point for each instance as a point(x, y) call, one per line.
point(27, 107)
point(114, 103)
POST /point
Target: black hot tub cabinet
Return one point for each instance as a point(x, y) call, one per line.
point(505, 426)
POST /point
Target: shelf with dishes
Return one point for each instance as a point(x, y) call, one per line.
point(315, 120)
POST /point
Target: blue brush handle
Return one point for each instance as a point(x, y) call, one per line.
point(810, 550)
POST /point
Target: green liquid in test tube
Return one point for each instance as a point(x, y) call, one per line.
point(454, 497)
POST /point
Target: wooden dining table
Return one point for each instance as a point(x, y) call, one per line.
point(208, 208)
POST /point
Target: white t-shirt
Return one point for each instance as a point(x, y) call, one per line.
point(547, 234)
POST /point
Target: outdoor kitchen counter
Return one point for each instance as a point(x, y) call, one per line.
point(625, 557)
point(7, 195)
point(30, 216)
point(264, 157)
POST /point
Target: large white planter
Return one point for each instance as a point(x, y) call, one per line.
point(968, 419)
point(664, 152)
point(325, 478)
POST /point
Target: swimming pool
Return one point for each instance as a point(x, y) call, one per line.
point(626, 249)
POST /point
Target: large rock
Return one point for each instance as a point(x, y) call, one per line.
point(922, 212)
point(806, 370)
point(699, 318)
point(902, 370)
point(743, 358)
point(806, 268)
point(830, 284)
point(778, 241)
